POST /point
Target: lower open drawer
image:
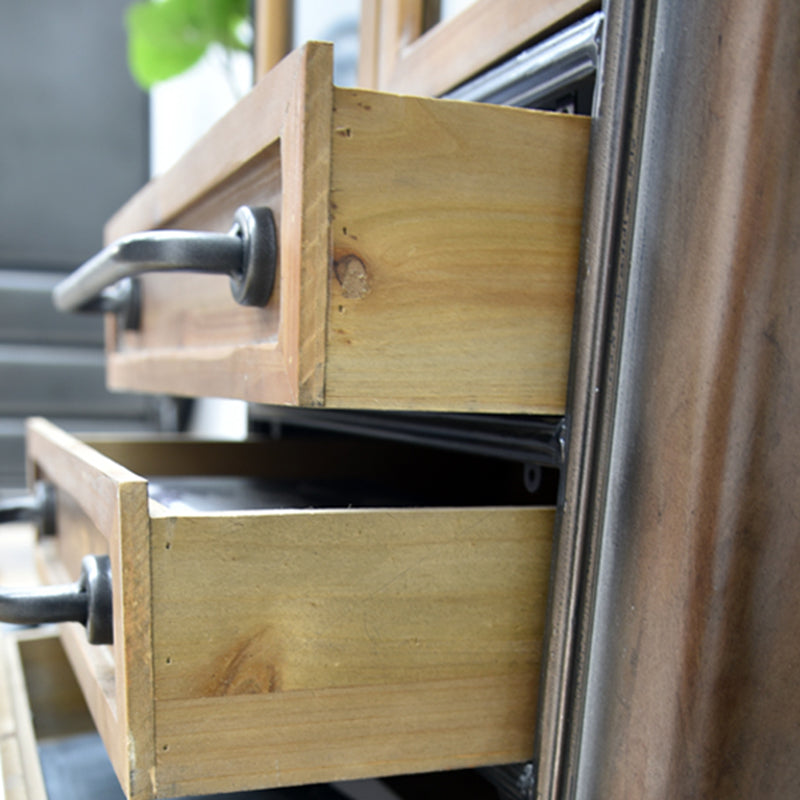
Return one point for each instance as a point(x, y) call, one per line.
point(389, 621)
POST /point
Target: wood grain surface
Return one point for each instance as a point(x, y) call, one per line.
point(272, 150)
point(455, 243)
point(304, 646)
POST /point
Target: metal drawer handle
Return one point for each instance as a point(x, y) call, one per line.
point(37, 507)
point(247, 254)
point(88, 601)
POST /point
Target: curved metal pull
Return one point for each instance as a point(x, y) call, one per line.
point(247, 254)
point(37, 507)
point(88, 601)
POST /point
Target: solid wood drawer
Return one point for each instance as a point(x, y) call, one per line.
point(257, 648)
point(427, 253)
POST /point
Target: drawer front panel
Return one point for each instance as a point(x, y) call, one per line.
point(101, 499)
point(195, 340)
point(212, 317)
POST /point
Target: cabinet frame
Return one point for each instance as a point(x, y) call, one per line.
point(399, 54)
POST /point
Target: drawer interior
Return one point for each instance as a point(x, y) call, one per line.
point(319, 471)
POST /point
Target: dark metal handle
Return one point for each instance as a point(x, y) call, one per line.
point(88, 601)
point(247, 254)
point(37, 507)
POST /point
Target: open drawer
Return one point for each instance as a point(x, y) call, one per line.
point(426, 253)
point(288, 645)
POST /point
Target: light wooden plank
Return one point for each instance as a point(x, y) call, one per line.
point(53, 694)
point(20, 770)
point(94, 669)
point(456, 230)
point(39, 699)
point(284, 739)
point(347, 597)
point(308, 183)
point(252, 372)
point(316, 615)
point(89, 477)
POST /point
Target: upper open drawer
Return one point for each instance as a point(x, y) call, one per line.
point(426, 253)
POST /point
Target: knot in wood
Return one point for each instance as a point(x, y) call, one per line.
point(352, 275)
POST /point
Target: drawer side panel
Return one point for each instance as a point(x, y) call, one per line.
point(343, 734)
point(456, 231)
point(412, 637)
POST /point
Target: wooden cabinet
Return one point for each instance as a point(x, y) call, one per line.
point(671, 653)
point(427, 253)
point(427, 256)
point(278, 646)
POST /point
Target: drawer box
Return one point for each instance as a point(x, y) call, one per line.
point(427, 253)
point(259, 648)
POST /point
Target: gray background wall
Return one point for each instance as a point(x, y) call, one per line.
point(73, 132)
point(73, 148)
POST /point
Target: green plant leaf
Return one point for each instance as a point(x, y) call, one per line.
point(166, 37)
point(222, 19)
